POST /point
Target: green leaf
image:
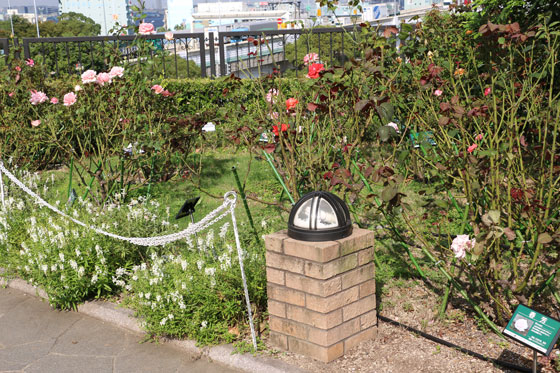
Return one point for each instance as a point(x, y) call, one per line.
point(389, 193)
point(494, 216)
point(386, 112)
point(501, 40)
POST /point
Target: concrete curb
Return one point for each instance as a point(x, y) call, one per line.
point(123, 318)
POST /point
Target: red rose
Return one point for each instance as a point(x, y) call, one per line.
point(291, 103)
point(283, 127)
point(314, 70)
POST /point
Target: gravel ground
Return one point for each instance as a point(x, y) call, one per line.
point(396, 349)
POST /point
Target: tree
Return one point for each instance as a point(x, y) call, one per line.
point(70, 24)
point(22, 28)
point(525, 12)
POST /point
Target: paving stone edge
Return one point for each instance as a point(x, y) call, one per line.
point(122, 317)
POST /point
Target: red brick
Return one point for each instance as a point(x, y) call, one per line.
point(334, 335)
point(359, 338)
point(282, 294)
point(367, 288)
point(335, 301)
point(288, 327)
point(358, 308)
point(287, 263)
point(275, 276)
point(316, 319)
point(324, 354)
point(360, 239)
point(322, 288)
point(332, 268)
point(317, 251)
point(358, 276)
point(365, 256)
point(276, 308)
point(278, 340)
point(274, 241)
point(368, 320)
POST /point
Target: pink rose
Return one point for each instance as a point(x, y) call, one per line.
point(37, 97)
point(89, 76)
point(471, 148)
point(487, 91)
point(461, 244)
point(438, 92)
point(146, 29)
point(54, 100)
point(18, 69)
point(169, 35)
point(103, 78)
point(479, 137)
point(29, 62)
point(157, 89)
point(116, 71)
point(270, 96)
point(69, 99)
point(35, 123)
point(11, 94)
point(310, 58)
point(314, 70)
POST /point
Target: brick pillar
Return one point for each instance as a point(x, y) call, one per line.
point(321, 295)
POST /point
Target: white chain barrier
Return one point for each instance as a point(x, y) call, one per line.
point(228, 207)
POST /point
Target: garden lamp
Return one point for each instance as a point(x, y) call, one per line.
point(319, 216)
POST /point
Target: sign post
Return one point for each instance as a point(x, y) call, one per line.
point(533, 329)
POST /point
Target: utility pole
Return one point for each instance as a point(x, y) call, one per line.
point(104, 18)
point(11, 21)
point(36, 18)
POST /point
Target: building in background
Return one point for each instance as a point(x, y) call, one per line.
point(418, 4)
point(107, 13)
point(179, 15)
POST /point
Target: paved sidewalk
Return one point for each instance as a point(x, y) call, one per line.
point(36, 338)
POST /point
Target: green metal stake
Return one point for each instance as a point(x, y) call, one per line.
point(151, 173)
point(278, 177)
point(91, 182)
point(242, 193)
point(70, 177)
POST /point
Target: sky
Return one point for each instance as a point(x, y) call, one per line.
point(4, 3)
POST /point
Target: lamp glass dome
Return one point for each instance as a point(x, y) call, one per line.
point(319, 216)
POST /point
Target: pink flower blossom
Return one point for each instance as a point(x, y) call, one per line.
point(157, 89)
point(18, 69)
point(69, 99)
point(438, 92)
point(471, 148)
point(394, 125)
point(271, 95)
point(116, 71)
point(487, 91)
point(479, 137)
point(169, 35)
point(461, 244)
point(103, 78)
point(37, 97)
point(89, 76)
point(314, 70)
point(310, 58)
point(29, 62)
point(11, 94)
point(146, 28)
point(35, 123)
point(54, 100)
point(77, 88)
point(274, 115)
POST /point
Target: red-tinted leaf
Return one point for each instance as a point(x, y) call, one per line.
point(269, 148)
point(311, 106)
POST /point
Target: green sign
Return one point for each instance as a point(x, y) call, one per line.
point(533, 329)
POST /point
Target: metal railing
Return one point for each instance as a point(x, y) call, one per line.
point(244, 53)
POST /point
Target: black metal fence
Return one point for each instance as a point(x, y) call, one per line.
point(243, 53)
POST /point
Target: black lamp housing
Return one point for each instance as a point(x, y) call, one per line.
point(319, 216)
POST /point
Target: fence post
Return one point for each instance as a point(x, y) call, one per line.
point(202, 53)
point(26, 52)
point(223, 62)
point(212, 55)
